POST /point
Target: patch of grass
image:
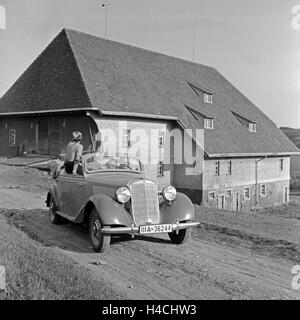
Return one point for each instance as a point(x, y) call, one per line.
point(290, 211)
point(37, 272)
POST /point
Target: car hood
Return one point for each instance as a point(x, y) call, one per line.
point(109, 182)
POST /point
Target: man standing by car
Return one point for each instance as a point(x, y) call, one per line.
point(74, 154)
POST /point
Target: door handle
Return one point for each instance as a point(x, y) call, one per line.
point(80, 184)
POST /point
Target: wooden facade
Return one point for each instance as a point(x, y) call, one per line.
point(45, 134)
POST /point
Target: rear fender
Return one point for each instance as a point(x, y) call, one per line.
point(110, 211)
point(181, 209)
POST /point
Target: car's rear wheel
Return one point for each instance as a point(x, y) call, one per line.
point(100, 242)
point(182, 236)
point(54, 217)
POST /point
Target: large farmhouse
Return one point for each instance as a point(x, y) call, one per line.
point(81, 82)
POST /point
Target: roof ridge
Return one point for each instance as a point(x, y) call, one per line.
point(139, 48)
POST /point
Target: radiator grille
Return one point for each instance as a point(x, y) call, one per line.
point(144, 201)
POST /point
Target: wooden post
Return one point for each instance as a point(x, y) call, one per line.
point(37, 138)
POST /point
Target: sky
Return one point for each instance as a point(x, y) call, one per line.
point(251, 42)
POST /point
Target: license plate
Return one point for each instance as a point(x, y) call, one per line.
point(156, 228)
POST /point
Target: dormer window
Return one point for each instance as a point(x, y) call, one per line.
point(208, 98)
point(252, 126)
point(202, 92)
point(208, 123)
point(202, 116)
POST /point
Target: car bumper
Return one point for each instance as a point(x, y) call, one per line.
point(135, 229)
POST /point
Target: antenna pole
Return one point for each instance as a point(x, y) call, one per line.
point(194, 34)
point(105, 6)
point(106, 11)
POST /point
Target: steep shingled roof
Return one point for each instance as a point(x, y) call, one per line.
point(78, 70)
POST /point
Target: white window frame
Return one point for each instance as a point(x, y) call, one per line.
point(161, 138)
point(263, 193)
point(281, 164)
point(252, 126)
point(12, 134)
point(160, 168)
point(249, 195)
point(208, 97)
point(208, 123)
point(229, 166)
point(126, 138)
point(230, 193)
point(217, 168)
point(211, 195)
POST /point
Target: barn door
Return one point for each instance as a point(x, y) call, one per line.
point(42, 136)
point(237, 202)
point(286, 194)
point(221, 202)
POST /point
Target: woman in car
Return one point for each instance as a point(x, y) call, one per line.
point(74, 155)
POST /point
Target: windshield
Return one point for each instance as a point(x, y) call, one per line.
point(103, 163)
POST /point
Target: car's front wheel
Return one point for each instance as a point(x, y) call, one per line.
point(54, 217)
point(100, 242)
point(182, 236)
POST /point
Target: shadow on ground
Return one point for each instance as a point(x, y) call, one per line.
point(66, 236)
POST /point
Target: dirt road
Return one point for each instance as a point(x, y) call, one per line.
point(152, 267)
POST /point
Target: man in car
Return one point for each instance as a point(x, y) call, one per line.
point(74, 154)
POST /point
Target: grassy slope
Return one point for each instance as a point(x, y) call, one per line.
point(37, 272)
point(293, 135)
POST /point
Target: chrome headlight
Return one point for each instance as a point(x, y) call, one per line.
point(169, 193)
point(123, 195)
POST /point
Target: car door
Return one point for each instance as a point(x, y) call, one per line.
point(72, 194)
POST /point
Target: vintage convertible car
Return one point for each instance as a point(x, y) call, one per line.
point(113, 197)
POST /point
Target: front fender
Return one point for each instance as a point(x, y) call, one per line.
point(53, 193)
point(181, 209)
point(111, 212)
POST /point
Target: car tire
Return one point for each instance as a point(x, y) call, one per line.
point(99, 241)
point(182, 236)
point(54, 217)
